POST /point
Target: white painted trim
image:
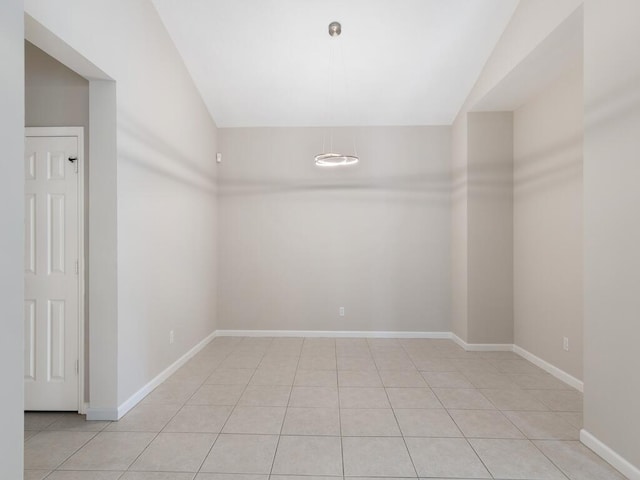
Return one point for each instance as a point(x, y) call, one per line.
point(116, 414)
point(482, 347)
point(549, 368)
point(78, 133)
point(109, 414)
point(330, 333)
point(607, 453)
point(134, 399)
point(537, 361)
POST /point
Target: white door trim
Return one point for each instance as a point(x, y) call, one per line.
point(77, 132)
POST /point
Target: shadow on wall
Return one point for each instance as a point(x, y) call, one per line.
point(549, 168)
point(615, 107)
point(539, 169)
point(141, 148)
point(437, 185)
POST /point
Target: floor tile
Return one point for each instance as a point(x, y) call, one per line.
point(241, 454)
point(145, 418)
point(69, 475)
point(316, 378)
point(484, 424)
point(40, 420)
point(426, 423)
point(445, 457)
point(357, 363)
point(542, 381)
point(175, 452)
point(217, 395)
point(515, 459)
point(311, 421)
point(399, 378)
point(369, 422)
point(516, 366)
point(77, 423)
point(317, 362)
point(255, 420)
point(560, 400)
point(543, 426)
point(490, 380)
point(199, 419)
point(109, 451)
point(400, 363)
point(430, 364)
point(359, 378)
point(48, 449)
point(241, 361)
point(463, 399)
point(363, 397)
point(279, 361)
point(265, 396)
point(446, 380)
point(37, 474)
point(301, 477)
point(308, 455)
point(171, 393)
point(230, 376)
point(577, 461)
point(314, 397)
point(376, 456)
point(230, 476)
point(273, 376)
point(513, 399)
point(156, 476)
point(413, 398)
point(574, 418)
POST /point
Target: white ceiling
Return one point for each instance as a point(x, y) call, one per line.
point(267, 62)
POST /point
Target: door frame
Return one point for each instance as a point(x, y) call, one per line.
point(77, 132)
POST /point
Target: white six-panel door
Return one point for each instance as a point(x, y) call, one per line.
point(51, 273)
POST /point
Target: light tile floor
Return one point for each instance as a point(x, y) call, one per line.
point(326, 408)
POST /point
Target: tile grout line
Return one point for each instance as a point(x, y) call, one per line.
point(275, 452)
point(172, 417)
point(234, 406)
point(404, 441)
point(340, 411)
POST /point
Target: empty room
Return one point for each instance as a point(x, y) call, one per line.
point(320, 240)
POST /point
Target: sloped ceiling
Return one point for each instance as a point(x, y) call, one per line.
point(272, 62)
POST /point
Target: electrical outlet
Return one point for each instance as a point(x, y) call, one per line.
point(170, 337)
point(341, 311)
point(565, 344)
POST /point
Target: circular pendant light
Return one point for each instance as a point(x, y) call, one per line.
point(335, 160)
point(331, 159)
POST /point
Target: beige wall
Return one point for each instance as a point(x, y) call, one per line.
point(11, 239)
point(548, 223)
point(166, 198)
point(459, 232)
point(296, 241)
point(490, 227)
point(532, 22)
point(612, 225)
point(56, 96)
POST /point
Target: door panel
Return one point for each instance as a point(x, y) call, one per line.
point(51, 280)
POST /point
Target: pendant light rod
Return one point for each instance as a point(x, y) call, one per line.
point(331, 158)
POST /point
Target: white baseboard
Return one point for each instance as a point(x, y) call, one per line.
point(330, 333)
point(482, 347)
point(620, 463)
point(117, 413)
point(537, 361)
point(547, 367)
point(109, 414)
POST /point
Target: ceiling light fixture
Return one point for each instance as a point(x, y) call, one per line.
point(332, 159)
